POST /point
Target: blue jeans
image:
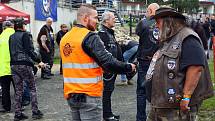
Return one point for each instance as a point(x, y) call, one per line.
point(141, 91)
point(91, 110)
point(127, 55)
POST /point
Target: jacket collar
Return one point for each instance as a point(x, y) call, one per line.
point(80, 26)
point(104, 28)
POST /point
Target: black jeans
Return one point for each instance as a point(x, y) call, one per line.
point(109, 81)
point(61, 69)
point(5, 83)
point(141, 91)
point(46, 58)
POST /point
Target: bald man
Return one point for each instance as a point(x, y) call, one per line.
point(84, 59)
point(148, 36)
point(45, 40)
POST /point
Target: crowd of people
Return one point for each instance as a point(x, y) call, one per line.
point(171, 64)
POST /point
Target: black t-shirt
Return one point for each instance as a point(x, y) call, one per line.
point(192, 53)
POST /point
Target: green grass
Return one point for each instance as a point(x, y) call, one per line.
point(211, 67)
point(56, 60)
point(209, 104)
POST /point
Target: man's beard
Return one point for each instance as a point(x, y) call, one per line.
point(90, 27)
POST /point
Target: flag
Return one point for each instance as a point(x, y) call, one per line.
point(45, 9)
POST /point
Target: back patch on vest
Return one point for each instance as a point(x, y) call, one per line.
point(67, 49)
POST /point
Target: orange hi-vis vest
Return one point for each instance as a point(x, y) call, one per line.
point(81, 73)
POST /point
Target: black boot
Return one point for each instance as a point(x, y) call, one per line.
point(22, 116)
point(37, 115)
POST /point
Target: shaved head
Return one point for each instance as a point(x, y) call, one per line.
point(87, 16)
point(85, 9)
point(151, 9)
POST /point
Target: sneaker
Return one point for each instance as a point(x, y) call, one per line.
point(116, 116)
point(37, 115)
point(112, 118)
point(122, 83)
point(130, 82)
point(22, 116)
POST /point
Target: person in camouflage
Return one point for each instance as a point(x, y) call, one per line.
point(22, 53)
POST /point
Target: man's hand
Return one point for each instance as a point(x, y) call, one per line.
point(133, 67)
point(41, 65)
point(184, 105)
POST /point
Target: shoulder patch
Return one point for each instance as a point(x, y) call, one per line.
point(67, 49)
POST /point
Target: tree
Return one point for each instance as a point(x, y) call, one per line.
point(188, 6)
point(150, 1)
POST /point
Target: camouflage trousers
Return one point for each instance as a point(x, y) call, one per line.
point(173, 114)
point(20, 74)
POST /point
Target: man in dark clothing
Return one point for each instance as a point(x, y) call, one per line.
point(45, 40)
point(107, 36)
point(148, 45)
point(212, 31)
point(198, 28)
point(60, 34)
point(207, 28)
point(22, 53)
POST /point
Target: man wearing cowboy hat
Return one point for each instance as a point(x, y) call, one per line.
point(178, 71)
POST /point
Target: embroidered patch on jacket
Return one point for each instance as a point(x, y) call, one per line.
point(171, 64)
point(67, 49)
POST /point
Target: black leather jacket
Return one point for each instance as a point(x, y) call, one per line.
point(111, 45)
point(21, 49)
point(148, 43)
point(94, 47)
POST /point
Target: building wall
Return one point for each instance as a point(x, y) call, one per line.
point(208, 9)
point(134, 9)
point(65, 15)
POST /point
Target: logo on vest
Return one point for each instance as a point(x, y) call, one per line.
point(171, 64)
point(171, 75)
point(171, 91)
point(171, 100)
point(175, 45)
point(155, 33)
point(67, 49)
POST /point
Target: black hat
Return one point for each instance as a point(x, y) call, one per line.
point(167, 12)
point(19, 21)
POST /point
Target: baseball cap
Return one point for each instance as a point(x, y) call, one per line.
point(7, 23)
